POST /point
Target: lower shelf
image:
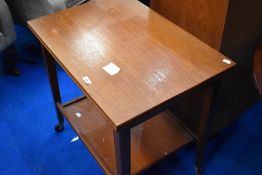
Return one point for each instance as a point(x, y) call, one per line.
point(150, 142)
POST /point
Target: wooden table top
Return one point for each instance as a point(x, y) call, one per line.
point(158, 60)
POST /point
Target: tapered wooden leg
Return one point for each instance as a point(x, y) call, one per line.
point(123, 152)
point(205, 125)
point(52, 75)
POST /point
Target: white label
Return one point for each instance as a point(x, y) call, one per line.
point(111, 69)
point(87, 80)
point(226, 61)
point(78, 115)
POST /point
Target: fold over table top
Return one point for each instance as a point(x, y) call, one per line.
point(158, 60)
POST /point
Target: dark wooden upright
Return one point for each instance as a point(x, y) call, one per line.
point(232, 27)
point(257, 65)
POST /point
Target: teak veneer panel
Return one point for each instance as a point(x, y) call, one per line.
point(150, 141)
point(205, 19)
point(159, 61)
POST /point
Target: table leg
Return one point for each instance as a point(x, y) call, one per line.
point(52, 75)
point(205, 125)
point(123, 152)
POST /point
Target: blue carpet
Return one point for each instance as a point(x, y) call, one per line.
point(29, 145)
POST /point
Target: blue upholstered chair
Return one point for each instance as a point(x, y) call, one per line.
point(7, 38)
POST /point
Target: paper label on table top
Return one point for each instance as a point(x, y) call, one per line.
point(226, 61)
point(87, 80)
point(111, 69)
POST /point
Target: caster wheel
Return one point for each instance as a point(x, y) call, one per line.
point(59, 128)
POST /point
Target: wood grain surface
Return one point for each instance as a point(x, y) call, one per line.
point(151, 141)
point(205, 19)
point(159, 61)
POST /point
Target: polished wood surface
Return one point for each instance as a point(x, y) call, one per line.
point(242, 28)
point(205, 19)
point(124, 119)
point(258, 68)
point(158, 60)
point(151, 141)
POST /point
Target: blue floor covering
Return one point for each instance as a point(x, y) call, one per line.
point(29, 145)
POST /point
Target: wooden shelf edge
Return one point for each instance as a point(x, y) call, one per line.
point(151, 141)
point(95, 154)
